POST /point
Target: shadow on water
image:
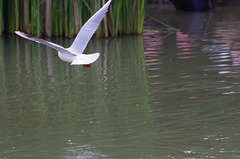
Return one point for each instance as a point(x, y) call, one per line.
point(166, 94)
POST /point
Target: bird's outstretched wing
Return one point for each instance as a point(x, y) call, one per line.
point(39, 40)
point(88, 29)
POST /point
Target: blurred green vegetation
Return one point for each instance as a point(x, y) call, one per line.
point(65, 17)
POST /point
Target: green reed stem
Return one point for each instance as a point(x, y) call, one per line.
point(48, 18)
point(1, 17)
point(65, 17)
point(16, 15)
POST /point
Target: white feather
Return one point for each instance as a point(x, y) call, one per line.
point(73, 54)
point(39, 40)
point(83, 59)
point(88, 29)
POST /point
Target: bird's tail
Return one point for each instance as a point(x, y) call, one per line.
point(84, 59)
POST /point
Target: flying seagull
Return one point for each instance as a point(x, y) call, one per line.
point(74, 54)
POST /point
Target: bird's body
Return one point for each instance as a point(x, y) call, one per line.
point(74, 54)
point(66, 56)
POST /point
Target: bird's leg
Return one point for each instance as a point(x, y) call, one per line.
point(87, 65)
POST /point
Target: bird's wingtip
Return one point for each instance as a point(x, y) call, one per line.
point(17, 32)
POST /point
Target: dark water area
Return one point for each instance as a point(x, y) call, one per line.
point(170, 93)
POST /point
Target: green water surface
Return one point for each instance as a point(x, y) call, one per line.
point(165, 94)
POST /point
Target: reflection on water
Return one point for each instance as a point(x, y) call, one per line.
point(81, 152)
point(46, 103)
point(166, 94)
point(193, 75)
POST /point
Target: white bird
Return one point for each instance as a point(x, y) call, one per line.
point(74, 54)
